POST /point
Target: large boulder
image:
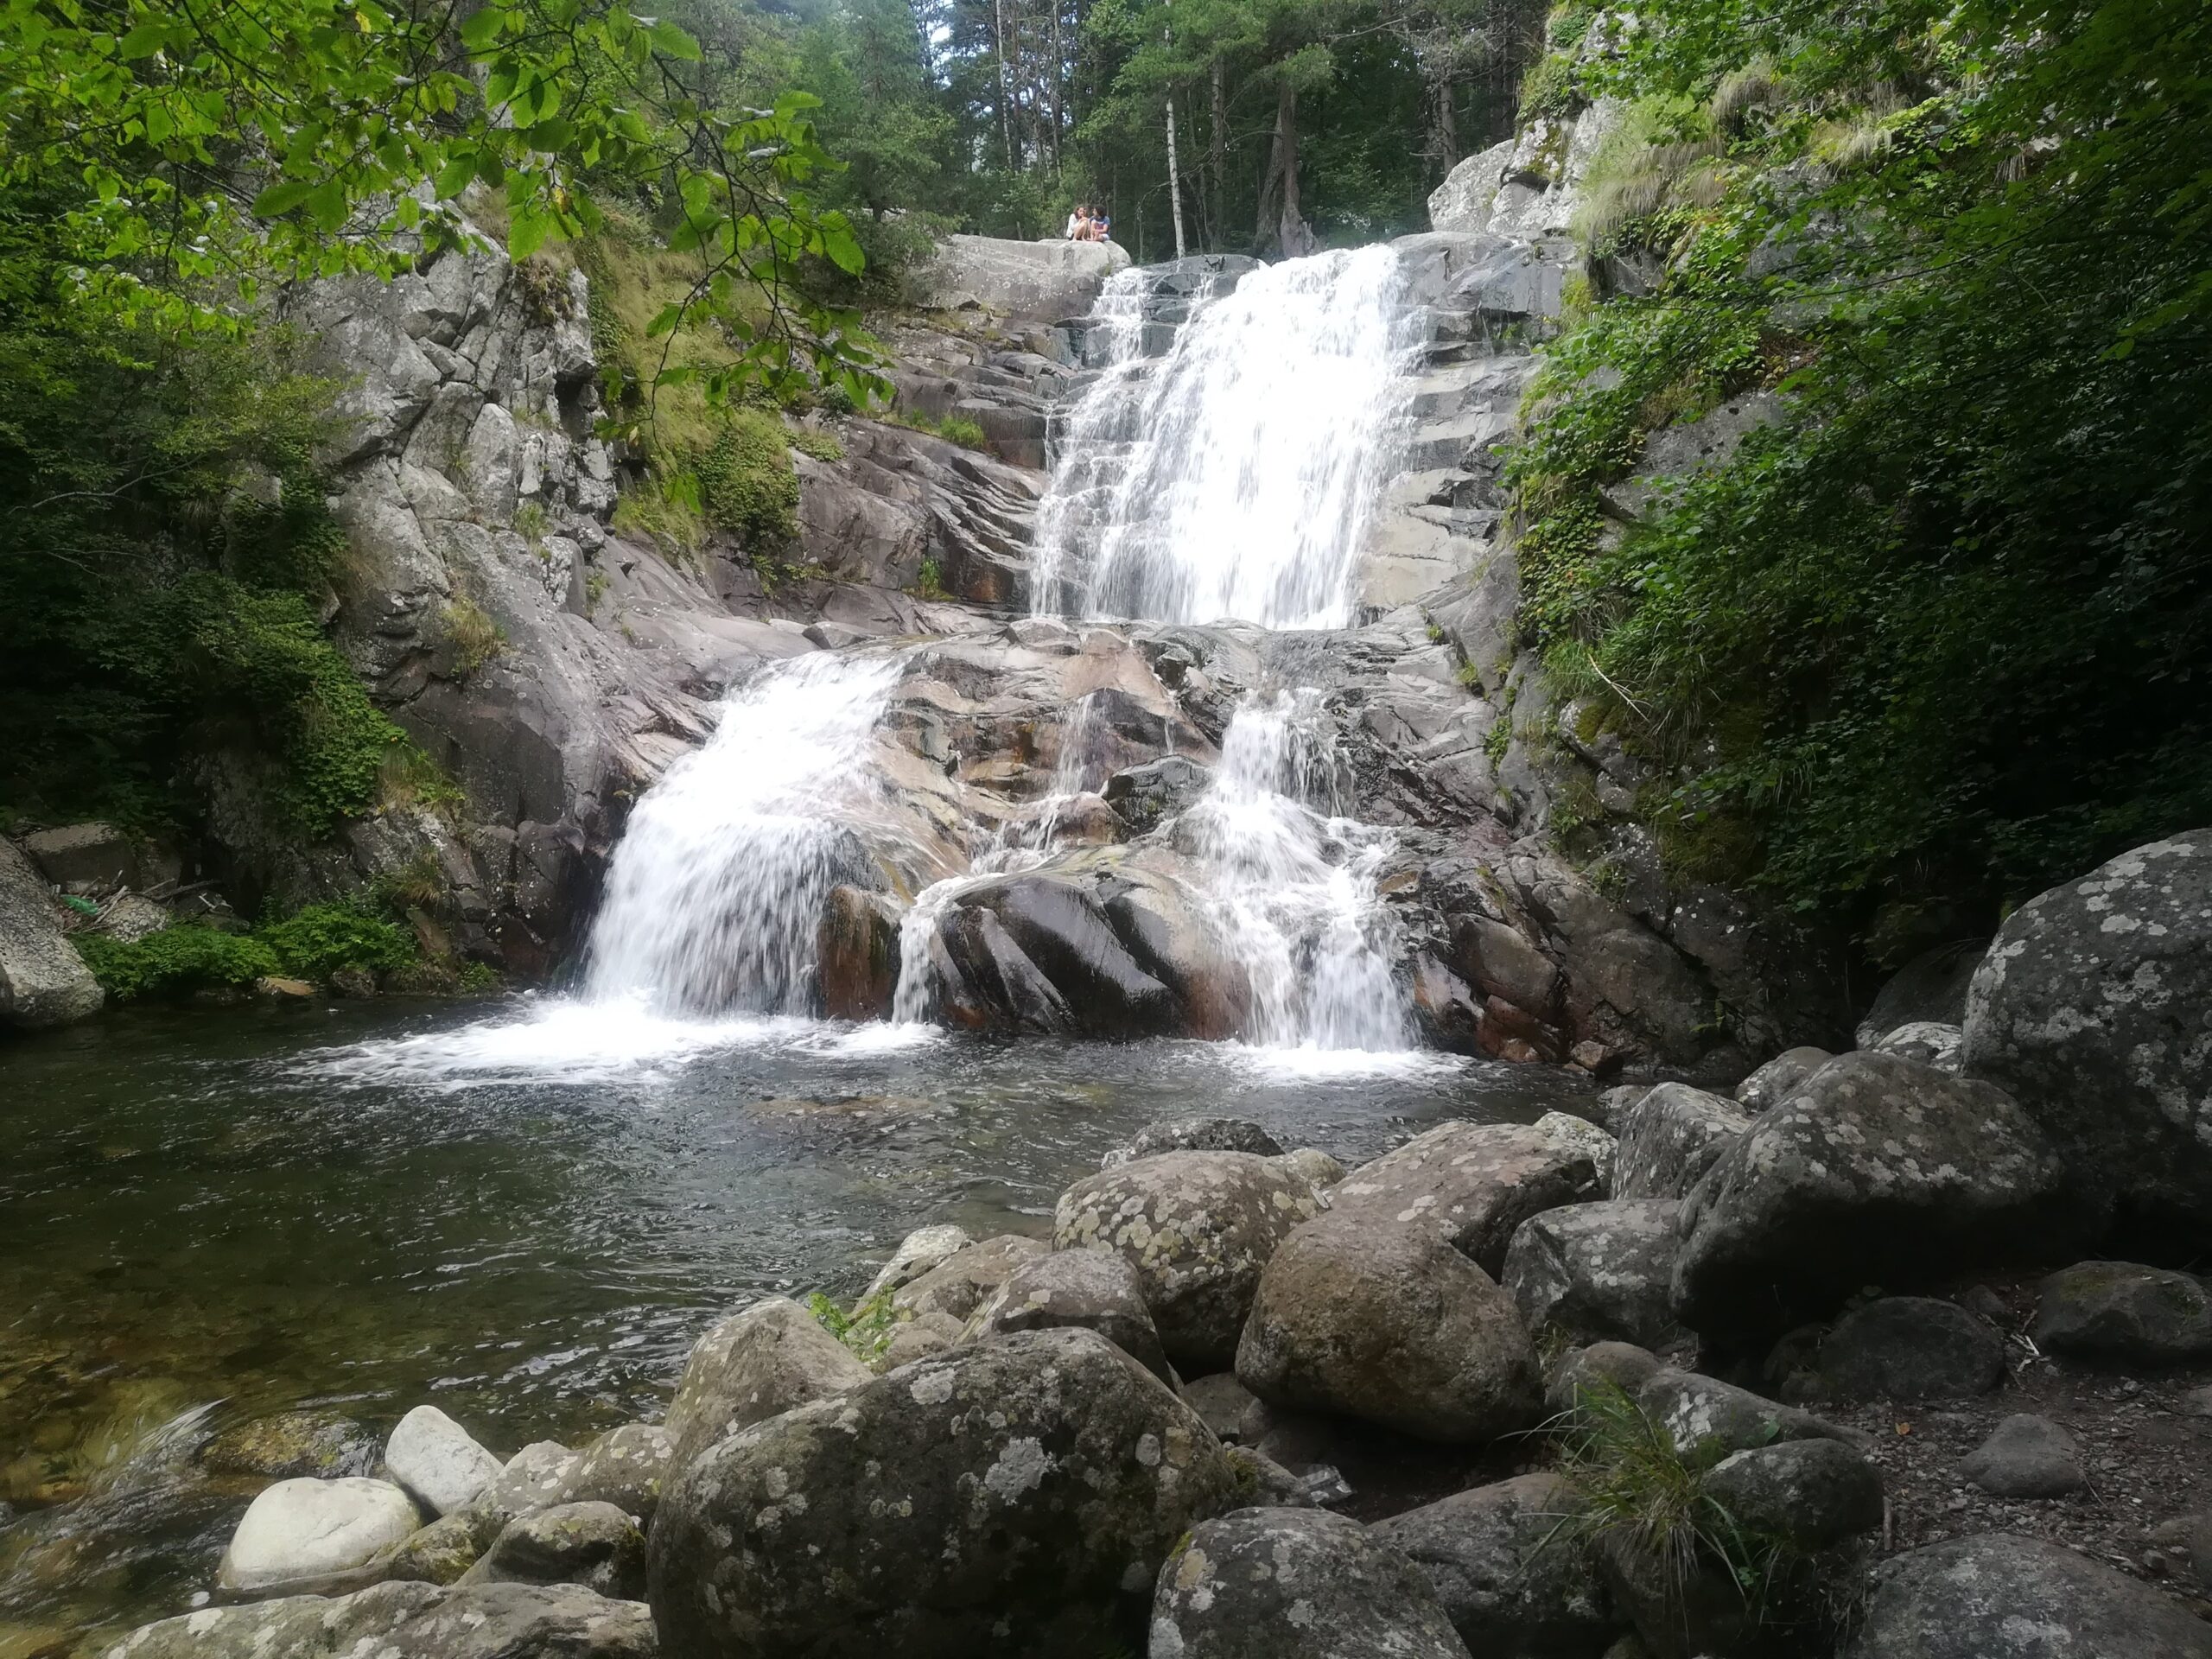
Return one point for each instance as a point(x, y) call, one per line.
point(1998, 1596)
point(766, 1359)
point(1808, 1493)
point(1093, 1290)
point(1702, 1414)
point(436, 1459)
point(1931, 989)
point(1778, 1078)
point(1471, 1184)
point(918, 1253)
point(2122, 1312)
point(44, 982)
point(1505, 1568)
point(1670, 1137)
point(1011, 1497)
point(1294, 1584)
point(300, 1533)
point(1195, 1135)
point(408, 1621)
point(1391, 1325)
point(2026, 1457)
point(1877, 1171)
point(1911, 1348)
point(2093, 1010)
point(295, 1627)
point(1020, 281)
point(1198, 1227)
point(959, 1284)
point(1598, 1271)
point(627, 1467)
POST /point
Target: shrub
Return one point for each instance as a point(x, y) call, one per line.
point(321, 940)
point(745, 481)
point(173, 962)
point(474, 634)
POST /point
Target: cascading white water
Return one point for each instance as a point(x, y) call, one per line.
point(717, 888)
point(1235, 478)
point(1292, 888)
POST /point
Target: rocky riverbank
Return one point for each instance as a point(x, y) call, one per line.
point(1850, 1362)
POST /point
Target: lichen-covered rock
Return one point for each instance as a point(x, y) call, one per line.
point(595, 1545)
point(438, 1461)
point(1998, 1596)
point(1195, 1135)
point(1704, 1413)
point(2122, 1312)
point(919, 1251)
point(626, 1467)
point(295, 1627)
point(2026, 1456)
point(1318, 1169)
point(1598, 1271)
point(1670, 1137)
point(1390, 1325)
point(1877, 1171)
point(536, 1478)
point(1602, 1366)
point(44, 982)
point(1778, 1078)
point(1810, 1493)
point(1294, 1584)
point(1198, 1227)
point(1091, 1290)
point(301, 1532)
point(956, 1285)
point(770, 1357)
point(1010, 1497)
point(291, 1445)
point(1470, 1183)
point(2093, 1010)
point(1580, 1131)
point(1928, 1041)
point(408, 1621)
point(443, 1551)
point(918, 1338)
point(1505, 1569)
point(1221, 1401)
point(1911, 1348)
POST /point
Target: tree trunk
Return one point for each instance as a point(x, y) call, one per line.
point(1217, 147)
point(1006, 115)
point(1174, 185)
point(1447, 125)
point(1292, 233)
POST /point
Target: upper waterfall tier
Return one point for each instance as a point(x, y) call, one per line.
point(1235, 478)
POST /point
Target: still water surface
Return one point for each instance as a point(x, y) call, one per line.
point(524, 1212)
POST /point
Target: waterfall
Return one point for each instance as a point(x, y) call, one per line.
point(717, 888)
point(1235, 478)
point(1292, 888)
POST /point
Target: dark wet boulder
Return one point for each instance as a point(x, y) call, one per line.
point(857, 954)
point(762, 1360)
point(1808, 1493)
point(1089, 1290)
point(1390, 1325)
point(2026, 1457)
point(1470, 1183)
point(959, 1284)
point(2122, 1312)
point(1911, 1348)
point(1598, 1271)
point(1601, 1368)
point(1877, 1171)
point(2093, 1010)
point(1144, 795)
point(1198, 1227)
point(1670, 1137)
point(1931, 989)
point(1009, 1497)
point(1508, 1569)
point(1778, 1078)
point(1998, 1596)
point(1294, 1584)
point(1061, 929)
point(1195, 1135)
point(443, 1551)
point(595, 1545)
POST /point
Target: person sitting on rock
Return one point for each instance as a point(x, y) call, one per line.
point(1079, 228)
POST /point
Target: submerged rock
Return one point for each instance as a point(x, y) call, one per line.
point(2093, 1010)
point(1294, 1584)
point(1011, 1497)
point(290, 1444)
point(1198, 1227)
point(1998, 1596)
point(766, 1359)
point(1471, 1184)
point(302, 1532)
point(1506, 1569)
point(1390, 1325)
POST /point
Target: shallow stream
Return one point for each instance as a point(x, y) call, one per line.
point(523, 1211)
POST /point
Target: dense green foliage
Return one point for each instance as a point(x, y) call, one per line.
point(314, 944)
point(1941, 632)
